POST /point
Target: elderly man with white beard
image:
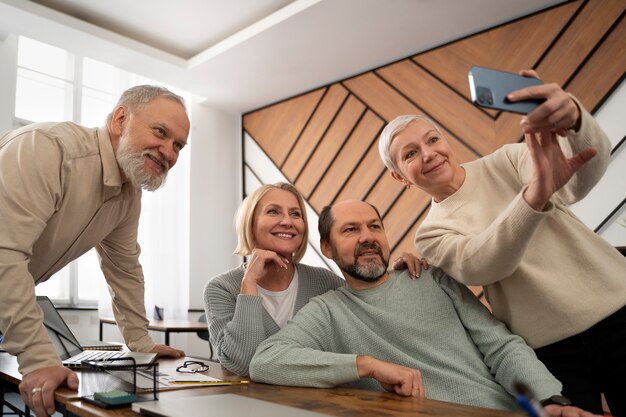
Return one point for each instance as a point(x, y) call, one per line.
point(429, 337)
point(65, 189)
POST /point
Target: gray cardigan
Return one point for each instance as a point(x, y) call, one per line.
point(239, 322)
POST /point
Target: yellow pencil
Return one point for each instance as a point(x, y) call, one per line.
point(212, 382)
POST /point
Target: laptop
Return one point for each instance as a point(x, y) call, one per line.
point(219, 405)
point(70, 350)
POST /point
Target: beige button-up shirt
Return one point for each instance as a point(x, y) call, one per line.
point(61, 194)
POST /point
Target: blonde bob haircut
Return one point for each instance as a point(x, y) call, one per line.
point(245, 220)
point(393, 129)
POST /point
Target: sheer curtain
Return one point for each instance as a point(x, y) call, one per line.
point(163, 235)
point(164, 240)
point(53, 84)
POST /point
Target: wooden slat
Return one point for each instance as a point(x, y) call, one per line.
point(379, 96)
point(460, 151)
point(364, 177)
point(404, 213)
point(389, 104)
point(508, 129)
point(384, 193)
point(510, 47)
point(439, 102)
point(323, 116)
point(350, 155)
point(277, 127)
point(330, 144)
point(407, 244)
point(605, 68)
point(579, 39)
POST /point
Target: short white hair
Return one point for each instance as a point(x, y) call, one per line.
point(136, 98)
point(394, 128)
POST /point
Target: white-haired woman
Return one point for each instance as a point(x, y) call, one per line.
point(502, 222)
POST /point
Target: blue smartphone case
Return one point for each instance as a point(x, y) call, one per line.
point(490, 87)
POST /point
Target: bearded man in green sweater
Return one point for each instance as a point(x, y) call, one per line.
point(427, 337)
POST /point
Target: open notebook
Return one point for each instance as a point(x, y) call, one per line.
point(70, 350)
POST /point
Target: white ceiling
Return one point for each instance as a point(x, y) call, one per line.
point(240, 55)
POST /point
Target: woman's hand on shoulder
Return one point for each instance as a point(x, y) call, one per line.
point(413, 263)
point(261, 263)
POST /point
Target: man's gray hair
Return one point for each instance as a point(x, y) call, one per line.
point(393, 128)
point(135, 98)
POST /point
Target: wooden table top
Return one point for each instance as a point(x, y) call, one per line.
point(339, 402)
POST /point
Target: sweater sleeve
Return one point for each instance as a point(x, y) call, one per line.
point(235, 324)
point(299, 354)
point(589, 135)
point(485, 257)
point(508, 357)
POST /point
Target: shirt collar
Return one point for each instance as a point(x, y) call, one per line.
point(110, 169)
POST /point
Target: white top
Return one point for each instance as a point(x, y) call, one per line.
point(280, 304)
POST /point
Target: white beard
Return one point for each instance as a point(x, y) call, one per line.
point(132, 164)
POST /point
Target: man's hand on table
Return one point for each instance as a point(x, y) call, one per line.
point(167, 351)
point(37, 388)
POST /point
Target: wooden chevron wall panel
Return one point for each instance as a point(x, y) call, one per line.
point(325, 141)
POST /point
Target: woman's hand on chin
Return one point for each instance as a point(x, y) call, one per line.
point(261, 263)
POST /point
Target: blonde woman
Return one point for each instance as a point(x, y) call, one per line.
point(247, 304)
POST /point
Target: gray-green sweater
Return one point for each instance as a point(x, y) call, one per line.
point(432, 324)
point(239, 322)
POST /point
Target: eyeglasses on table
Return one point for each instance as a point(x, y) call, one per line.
point(192, 367)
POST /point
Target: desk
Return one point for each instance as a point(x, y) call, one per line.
point(167, 326)
point(340, 402)
point(11, 378)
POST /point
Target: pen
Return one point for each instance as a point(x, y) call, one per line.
point(528, 406)
point(212, 382)
point(525, 400)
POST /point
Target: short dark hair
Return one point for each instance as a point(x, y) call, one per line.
point(326, 220)
point(325, 223)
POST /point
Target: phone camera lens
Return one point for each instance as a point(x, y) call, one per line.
point(484, 96)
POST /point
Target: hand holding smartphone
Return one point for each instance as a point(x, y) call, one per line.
point(490, 87)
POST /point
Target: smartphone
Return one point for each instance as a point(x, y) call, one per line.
point(490, 87)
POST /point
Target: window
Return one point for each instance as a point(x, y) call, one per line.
point(45, 82)
point(55, 85)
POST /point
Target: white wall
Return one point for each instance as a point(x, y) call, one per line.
point(8, 74)
point(215, 194)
